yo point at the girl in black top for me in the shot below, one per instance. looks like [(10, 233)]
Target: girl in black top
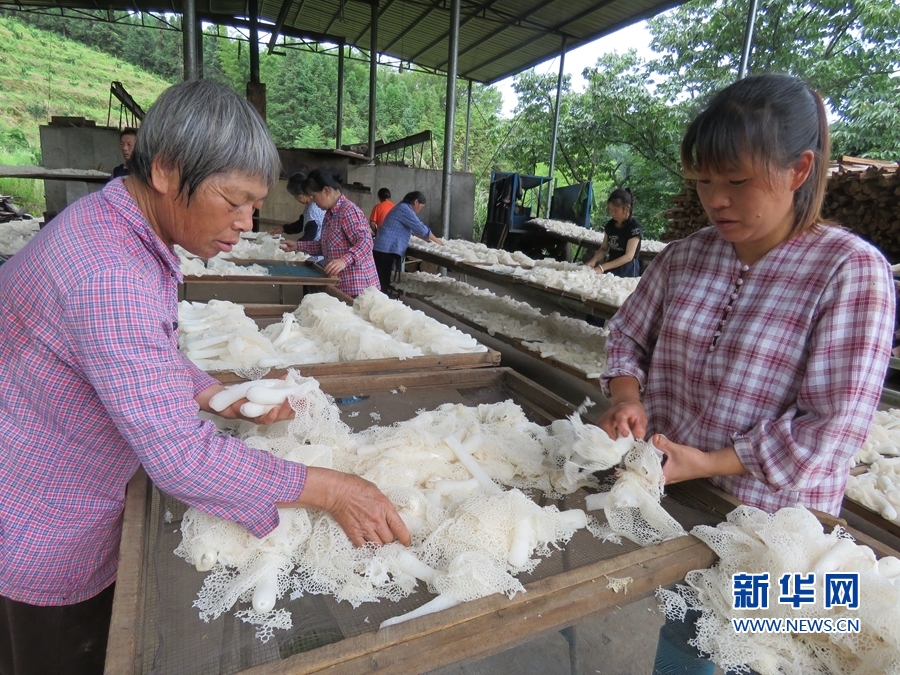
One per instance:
[(622, 242)]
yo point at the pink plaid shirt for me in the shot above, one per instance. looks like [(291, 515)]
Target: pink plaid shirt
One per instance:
[(346, 235), (92, 385), (793, 378)]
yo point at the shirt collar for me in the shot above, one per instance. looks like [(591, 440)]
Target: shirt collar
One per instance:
[(121, 201)]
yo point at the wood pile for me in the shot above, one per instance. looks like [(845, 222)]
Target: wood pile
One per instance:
[(862, 195), (686, 216)]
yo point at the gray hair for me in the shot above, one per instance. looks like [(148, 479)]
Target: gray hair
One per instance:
[(204, 129)]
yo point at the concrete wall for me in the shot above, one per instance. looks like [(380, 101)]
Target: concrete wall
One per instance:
[(76, 148), (98, 148)]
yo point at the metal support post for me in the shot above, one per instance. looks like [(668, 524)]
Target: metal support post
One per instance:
[(468, 126), (189, 35), (339, 122), (450, 118), (748, 40), (373, 76), (555, 135)]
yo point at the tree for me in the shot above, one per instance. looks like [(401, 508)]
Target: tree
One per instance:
[(849, 52)]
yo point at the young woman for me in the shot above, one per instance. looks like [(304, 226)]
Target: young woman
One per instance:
[(622, 242), (346, 241), (754, 351)]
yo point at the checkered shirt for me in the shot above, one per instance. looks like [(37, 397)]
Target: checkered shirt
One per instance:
[(794, 377), (346, 235), (92, 385)]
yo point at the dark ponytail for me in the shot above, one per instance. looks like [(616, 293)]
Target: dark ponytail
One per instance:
[(319, 179), (622, 197)]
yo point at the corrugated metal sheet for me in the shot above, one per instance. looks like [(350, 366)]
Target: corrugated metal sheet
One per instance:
[(497, 38)]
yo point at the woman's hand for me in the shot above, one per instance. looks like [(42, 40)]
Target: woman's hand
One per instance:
[(276, 230), (276, 414), (684, 462), (623, 418), (358, 506), (335, 267), (288, 245)]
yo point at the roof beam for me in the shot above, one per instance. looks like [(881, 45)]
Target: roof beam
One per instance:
[(519, 19), (340, 11), (481, 8), (419, 19), (552, 29), (380, 14), (279, 22)]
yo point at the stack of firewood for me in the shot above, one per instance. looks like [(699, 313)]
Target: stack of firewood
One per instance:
[(686, 216), (866, 199), (862, 195)]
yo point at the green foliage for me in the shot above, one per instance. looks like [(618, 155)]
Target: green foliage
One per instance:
[(44, 74)]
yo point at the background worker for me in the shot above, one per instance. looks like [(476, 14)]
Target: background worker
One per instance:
[(309, 224), (94, 386), (380, 210), (622, 240), (346, 241), (126, 147), (393, 236)]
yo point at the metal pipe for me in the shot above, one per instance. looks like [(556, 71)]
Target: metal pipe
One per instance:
[(468, 127), (199, 49), (373, 76), (559, 81), (450, 118), (189, 36), (253, 11), (748, 40), (339, 126)]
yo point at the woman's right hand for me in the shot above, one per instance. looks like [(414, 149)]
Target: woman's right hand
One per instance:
[(358, 506), (625, 417), (288, 245), (276, 230)]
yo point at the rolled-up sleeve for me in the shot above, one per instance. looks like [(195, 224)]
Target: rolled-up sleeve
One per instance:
[(147, 388)]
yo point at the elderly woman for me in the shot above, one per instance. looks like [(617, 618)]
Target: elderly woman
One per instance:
[(94, 385)]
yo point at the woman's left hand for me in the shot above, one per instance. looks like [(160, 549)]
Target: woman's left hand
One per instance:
[(288, 245), (335, 267), (276, 414), (682, 462)]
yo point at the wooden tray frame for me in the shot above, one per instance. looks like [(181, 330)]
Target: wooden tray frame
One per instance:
[(511, 341), (461, 634), (464, 633)]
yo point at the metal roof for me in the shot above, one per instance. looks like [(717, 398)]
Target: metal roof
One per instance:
[(497, 38)]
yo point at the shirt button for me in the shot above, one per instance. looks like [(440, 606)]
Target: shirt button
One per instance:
[(745, 268), (734, 296), (712, 348), (727, 309), (740, 282), (717, 333)]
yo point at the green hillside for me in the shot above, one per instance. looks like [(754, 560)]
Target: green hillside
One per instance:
[(44, 74)]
